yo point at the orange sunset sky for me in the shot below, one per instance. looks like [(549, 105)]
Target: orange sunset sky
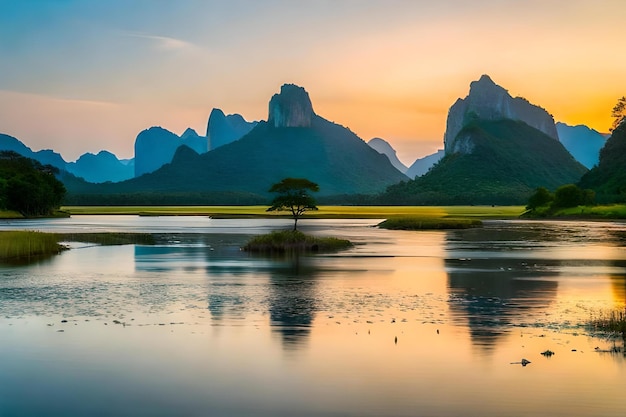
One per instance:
[(82, 76)]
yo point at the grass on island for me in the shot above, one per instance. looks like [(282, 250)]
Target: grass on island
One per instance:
[(27, 244), (289, 241), (325, 212), (421, 223)]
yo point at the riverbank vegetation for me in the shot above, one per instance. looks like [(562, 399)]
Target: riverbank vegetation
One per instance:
[(294, 241), (571, 201)]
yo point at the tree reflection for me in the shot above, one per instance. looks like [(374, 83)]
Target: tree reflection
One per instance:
[(292, 300)]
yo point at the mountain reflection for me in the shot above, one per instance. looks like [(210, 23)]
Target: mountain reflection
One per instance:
[(489, 292)]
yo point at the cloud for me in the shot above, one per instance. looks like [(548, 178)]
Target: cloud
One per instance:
[(164, 42)]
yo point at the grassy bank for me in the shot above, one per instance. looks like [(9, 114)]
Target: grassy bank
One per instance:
[(422, 223), (294, 242), (27, 244), (346, 212)]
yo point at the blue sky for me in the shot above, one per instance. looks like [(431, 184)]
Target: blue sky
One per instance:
[(81, 76)]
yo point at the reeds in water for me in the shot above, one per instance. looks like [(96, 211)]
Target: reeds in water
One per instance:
[(25, 244), (613, 321)]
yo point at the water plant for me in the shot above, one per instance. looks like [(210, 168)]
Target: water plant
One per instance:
[(611, 321)]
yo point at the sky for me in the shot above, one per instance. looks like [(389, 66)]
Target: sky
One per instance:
[(82, 76)]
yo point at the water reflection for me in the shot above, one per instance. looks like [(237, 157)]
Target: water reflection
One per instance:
[(292, 301), (492, 285), (490, 300), (618, 284), (212, 330)]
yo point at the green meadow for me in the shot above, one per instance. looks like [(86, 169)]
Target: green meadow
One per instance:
[(346, 212)]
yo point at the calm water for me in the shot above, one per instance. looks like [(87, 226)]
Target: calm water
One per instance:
[(403, 324)]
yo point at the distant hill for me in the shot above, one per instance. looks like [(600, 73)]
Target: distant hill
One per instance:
[(46, 157), (422, 165), (101, 167), (222, 129), (155, 147), (382, 146), (497, 151), (608, 178), (582, 142), (294, 142)]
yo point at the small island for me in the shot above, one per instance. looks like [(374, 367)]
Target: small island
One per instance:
[(294, 241), (293, 196), (423, 223)]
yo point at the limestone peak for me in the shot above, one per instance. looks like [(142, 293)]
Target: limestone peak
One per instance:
[(291, 107)]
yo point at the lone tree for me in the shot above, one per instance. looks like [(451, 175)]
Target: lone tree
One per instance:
[(293, 195)]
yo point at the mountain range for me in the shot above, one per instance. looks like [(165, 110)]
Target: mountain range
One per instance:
[(497, 149), (294, 142)]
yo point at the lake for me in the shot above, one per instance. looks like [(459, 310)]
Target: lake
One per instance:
[(403, 324)]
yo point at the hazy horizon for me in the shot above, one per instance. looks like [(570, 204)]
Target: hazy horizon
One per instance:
[(83, 76)]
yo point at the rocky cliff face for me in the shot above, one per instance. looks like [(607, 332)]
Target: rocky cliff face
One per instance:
[(222, 129), (488, 101), (291, 107)]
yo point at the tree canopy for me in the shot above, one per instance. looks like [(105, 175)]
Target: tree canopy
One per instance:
[(293, 196), (619, 112), (27, 186)]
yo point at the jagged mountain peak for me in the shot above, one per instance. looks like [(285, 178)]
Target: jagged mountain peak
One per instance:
[(189, 132), (291, 107), (489, 101)]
